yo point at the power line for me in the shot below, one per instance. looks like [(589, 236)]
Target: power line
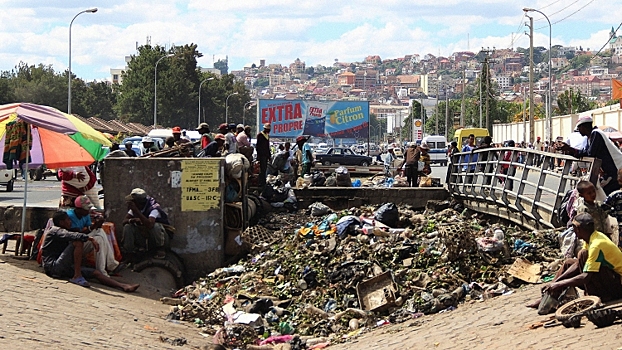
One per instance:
[(556, 12), (572, 14), (553, 3), (611, 37)]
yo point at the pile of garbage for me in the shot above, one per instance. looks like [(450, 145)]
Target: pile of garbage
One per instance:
[(322, 277)]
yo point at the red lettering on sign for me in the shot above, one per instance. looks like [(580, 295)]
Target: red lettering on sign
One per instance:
[(297, 111), (288, 112)]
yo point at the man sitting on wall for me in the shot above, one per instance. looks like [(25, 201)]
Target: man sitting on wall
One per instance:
[(81, 222), (62, 253), (145, 226)]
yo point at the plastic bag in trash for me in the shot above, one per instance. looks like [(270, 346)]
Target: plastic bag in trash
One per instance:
[(388, 214), (341, 170), (319, 209)]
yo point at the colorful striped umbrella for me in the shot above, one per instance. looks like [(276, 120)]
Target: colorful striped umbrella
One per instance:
[(58, 139)]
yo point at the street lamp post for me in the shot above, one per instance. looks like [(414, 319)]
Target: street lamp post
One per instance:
[(249, 104), (201, 84), (227, 107), (91, 10), (155, 91), (549, 109)]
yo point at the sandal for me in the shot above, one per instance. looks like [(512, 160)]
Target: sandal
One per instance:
[(160, 254), (80, 281)]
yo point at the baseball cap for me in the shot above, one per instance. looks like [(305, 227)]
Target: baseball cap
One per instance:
[(240, 126), (203, 126), (584, 120), (301, 138), (177, 130), (83, 202), (267, 126), (583, 219), (137, 193), (222, 126), (147, 139), (424, 145)]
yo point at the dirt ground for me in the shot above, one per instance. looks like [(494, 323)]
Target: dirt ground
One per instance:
[(40, 312)]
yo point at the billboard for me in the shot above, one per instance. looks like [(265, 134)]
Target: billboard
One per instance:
[(337, 119)]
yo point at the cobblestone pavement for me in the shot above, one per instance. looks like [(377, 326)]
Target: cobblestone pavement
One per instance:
[(38, 311)]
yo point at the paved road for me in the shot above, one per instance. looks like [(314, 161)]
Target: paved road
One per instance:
[(44, 193), (41, 312)]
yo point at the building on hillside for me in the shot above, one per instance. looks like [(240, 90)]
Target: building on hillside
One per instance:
[(365, 79), (584, 83), (429, 84), (504, 81), (559, 62), (346, 78), (297, 67)]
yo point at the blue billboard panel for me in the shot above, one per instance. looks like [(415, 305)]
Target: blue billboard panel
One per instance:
[(293, 118)]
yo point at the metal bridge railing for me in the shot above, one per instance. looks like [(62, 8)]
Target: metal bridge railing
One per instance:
[(522, 185)]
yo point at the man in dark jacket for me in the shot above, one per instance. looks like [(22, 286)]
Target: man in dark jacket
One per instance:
[(263, 153), (598, 146), (412, 157), (62, 252)]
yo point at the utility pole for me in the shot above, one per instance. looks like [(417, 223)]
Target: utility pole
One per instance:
[(531, 107), (480, 100), (438, 89), (485, 74), (446, 116), (462, 106)]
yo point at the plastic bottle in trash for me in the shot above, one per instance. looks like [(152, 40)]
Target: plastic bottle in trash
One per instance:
[(499, 235), (234, 269)]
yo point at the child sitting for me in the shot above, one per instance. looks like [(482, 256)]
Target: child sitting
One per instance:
[(615, 202), (587, 203)]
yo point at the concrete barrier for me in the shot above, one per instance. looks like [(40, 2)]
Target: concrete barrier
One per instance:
[(199, 236), (36, 218), (339, 198)]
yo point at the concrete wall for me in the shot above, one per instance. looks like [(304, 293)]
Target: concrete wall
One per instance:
[(561, 125), (36, 218), (199, 239), (343, 198)]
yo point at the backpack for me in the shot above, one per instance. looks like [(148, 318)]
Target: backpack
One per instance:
[(563, 216)]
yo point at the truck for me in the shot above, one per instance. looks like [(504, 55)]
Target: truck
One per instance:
[(343, 156)]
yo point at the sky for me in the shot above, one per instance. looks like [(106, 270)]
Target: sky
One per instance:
[(279, 31)]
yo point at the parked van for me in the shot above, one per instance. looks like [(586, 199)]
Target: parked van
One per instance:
[(438, 149), (462, 135)]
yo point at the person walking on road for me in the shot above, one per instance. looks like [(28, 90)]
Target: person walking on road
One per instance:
[(263, 153), (411, 165)]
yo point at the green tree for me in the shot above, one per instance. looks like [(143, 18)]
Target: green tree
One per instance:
[(98, 100), (261, 82), (223, 66), (6, 90), (414, 114), (39, 84), (572, 101), (178, 84)]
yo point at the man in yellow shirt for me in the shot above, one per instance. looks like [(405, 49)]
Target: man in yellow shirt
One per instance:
[(597, 268)]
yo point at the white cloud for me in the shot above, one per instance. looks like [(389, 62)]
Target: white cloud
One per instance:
[(282, 30)]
